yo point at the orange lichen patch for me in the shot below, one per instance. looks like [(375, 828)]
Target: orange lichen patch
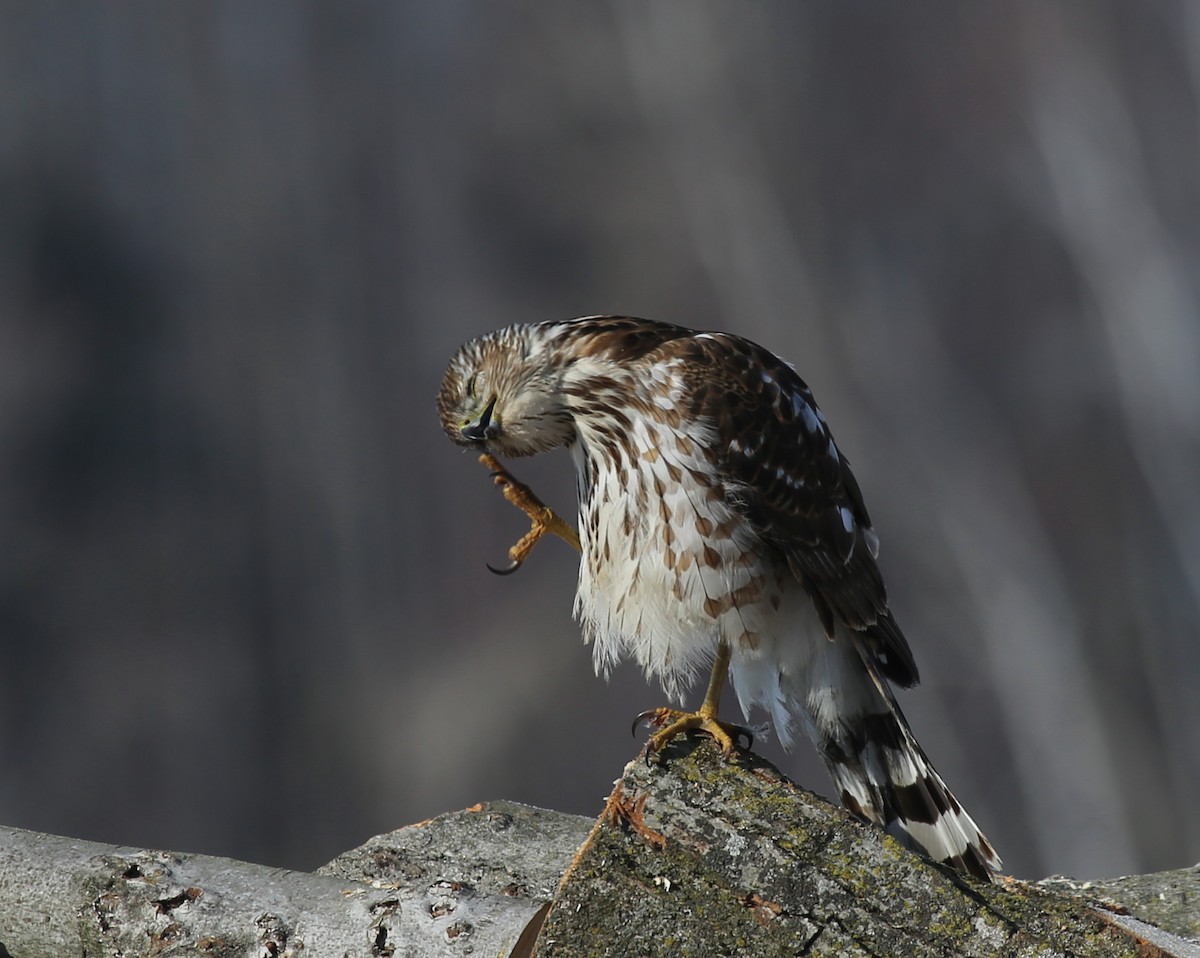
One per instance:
[(477, 807), (764, 911), (622, 812)]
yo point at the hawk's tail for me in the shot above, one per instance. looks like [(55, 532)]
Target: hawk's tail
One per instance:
[(881, 773), (883, 776)]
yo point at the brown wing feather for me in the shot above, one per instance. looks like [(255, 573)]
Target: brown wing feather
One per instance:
[(782, 467)]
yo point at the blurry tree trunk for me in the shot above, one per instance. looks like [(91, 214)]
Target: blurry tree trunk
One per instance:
[(691, 856)]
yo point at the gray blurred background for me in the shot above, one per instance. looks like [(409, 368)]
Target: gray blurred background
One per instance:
[(243, 602)]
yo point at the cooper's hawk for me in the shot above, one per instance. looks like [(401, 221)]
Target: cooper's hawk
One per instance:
[(719, 519)]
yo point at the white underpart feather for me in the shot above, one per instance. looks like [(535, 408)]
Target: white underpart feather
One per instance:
[(645, 588)]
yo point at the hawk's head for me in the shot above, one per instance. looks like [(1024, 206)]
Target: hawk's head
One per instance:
[(503, 391)]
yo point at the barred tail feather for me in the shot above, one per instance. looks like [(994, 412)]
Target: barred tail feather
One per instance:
[(838, 697), (883, 776)]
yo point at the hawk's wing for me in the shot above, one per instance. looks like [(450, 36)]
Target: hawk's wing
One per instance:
[(780, 465)]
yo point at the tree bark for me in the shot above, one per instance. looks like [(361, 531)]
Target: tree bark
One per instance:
[(466, 882), (705, 857), (692, 855)]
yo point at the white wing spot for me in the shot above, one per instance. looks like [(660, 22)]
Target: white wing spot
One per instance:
[(811, 421)]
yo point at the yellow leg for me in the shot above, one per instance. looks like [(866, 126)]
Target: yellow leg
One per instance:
[(543, 518), (673, 722)]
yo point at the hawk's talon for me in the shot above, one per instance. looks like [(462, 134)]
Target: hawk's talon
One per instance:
[(673, 722), (542, 518)]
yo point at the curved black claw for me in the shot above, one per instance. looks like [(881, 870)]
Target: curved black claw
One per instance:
[(640, 718), (509, 571)]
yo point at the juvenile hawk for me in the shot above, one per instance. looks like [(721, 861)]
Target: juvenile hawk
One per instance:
[(719, 519)]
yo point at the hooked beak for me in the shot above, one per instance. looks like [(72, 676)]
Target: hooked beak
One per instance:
[(482, 429)]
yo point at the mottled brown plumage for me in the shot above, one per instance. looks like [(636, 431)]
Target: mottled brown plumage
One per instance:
[(716, 511)]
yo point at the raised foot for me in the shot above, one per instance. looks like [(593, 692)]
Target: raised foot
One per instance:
[(542, 518), (672, 723)]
